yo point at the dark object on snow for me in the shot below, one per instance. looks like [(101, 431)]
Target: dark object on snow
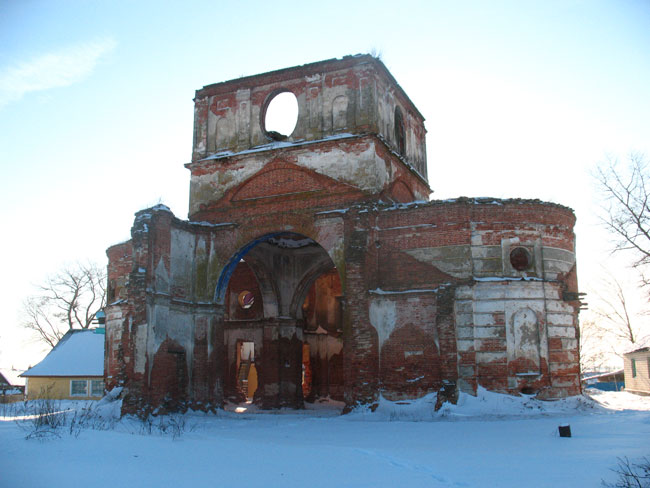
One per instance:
[(565, 430), (448, 393)]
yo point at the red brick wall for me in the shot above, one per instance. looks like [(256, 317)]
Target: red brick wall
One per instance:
[(414, 259), (120, 265), (241, 280), (421, 350)]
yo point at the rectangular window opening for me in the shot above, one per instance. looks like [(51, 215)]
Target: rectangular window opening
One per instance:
[(97, 388), (78, 388)]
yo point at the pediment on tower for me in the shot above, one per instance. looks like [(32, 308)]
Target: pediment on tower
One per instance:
[(281, 179)]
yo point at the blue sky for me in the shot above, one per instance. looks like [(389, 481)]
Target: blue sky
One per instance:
[(521, 100)]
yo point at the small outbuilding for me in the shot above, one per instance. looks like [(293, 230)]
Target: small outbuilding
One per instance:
[(608, 381), (637, 371), (11, 386), (73, 370)]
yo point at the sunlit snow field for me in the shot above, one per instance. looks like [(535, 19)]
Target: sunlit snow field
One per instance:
[(486, 441)]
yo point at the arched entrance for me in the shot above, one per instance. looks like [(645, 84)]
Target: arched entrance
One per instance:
[(281, 295)]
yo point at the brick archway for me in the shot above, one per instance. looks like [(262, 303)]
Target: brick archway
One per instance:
[(295, 333), (269, 256)]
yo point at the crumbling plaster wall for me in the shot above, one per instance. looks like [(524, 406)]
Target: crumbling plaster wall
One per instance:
[(388, 100), (356, 95), (496, 353), (429, 294), (443, 273), (354, 162), (179, 266), (169, 317), (361, 163)]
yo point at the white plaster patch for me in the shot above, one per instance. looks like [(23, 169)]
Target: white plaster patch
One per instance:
[(464, 293), (166, 323), (489, 357), (324, 345), (525, 291), (526, 335), (383, 317), (464, 319), (488, 332), (484, 320), (486, 252), (560, 319), (182, 256), (158, 320), (465, 332), (453, 260), (557, 261), (489, 291), (489, 306), (408, 354), (568, 332), (162, 278), (212, 186), (225, 131), (339, 112), (181, 330), (140, 348), (363, 170)]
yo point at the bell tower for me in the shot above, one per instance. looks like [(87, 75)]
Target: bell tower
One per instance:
[(357, 135)]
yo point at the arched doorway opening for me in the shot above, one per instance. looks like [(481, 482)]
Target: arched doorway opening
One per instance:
[(323, 341), (283, 343)]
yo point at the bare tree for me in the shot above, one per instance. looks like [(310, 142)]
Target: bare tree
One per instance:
[(626, 205), (70, 299), (631, 474), (613, 312), (616, 322), (594, 354)]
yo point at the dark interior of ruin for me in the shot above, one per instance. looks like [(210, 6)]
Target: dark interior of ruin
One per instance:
[(287, 278)]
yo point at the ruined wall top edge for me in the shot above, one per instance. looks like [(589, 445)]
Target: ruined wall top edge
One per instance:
[(352, 95), (312, 69)]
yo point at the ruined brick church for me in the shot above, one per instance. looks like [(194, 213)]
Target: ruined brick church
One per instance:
[(313, 264)]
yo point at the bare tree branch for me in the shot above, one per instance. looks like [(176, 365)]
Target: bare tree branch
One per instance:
[(625, 208), (631, 474), (67, 300), (616, 324), (593, 356)]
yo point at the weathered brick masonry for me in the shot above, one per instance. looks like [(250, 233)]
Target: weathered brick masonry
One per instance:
[(313, 264)]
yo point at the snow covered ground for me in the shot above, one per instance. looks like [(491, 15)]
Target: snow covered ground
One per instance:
[(486, 441)]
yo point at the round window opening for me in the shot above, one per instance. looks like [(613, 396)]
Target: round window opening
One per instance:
[(520, 258), (246, 299), (281, 116)]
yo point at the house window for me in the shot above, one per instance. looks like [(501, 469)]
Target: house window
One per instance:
[(78, 388), (96, 388), (633, 368)]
